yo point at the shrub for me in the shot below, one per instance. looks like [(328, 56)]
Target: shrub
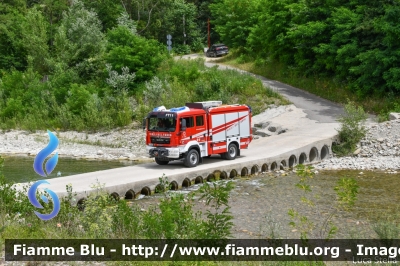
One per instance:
[(352, 129)]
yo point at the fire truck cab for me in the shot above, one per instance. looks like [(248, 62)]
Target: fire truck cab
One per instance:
[(197, 130)]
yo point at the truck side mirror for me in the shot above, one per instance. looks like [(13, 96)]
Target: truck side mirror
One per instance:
[(144, 123), (183, 125)]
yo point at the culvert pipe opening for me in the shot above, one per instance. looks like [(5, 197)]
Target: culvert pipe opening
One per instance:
[(274, 166), (244, 172), (217, 174), (198, 180), (186, 182), (302, 158), (223, 175), (254, 169), (324, 152), (211, 178), (130, 194), (313, 154), (292, 161), (264, 168), (81, 204), (233, 174), (174, 185), (145, 191), (159, 188), (114, 196), (282, 165)]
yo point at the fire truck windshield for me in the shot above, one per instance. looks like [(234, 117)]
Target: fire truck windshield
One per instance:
[(156, 123)]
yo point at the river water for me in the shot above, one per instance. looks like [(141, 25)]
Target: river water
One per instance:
[(20, 169), (378, 193)]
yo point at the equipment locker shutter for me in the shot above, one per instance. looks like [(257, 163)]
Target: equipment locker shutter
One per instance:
[(244, 124)]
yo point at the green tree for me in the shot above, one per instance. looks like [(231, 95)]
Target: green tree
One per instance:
[(140, 55), (35, 39), (267, 36), (79, 42), (234, 20), (108, 11), (12, 49), (53, 12)]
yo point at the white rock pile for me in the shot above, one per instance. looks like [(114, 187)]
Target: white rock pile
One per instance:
[(379, 149), (118, 144)]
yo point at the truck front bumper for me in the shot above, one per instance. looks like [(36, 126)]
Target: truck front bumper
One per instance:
[(164, 153)]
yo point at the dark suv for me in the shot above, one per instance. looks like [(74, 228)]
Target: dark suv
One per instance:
[(217, 50)]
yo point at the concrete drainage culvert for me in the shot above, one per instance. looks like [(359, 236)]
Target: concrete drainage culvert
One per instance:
[(292, 161), (186, 182), (282, 165), (173, 185), (211, 177), (254, 169), (302, 158), (324, 152), (313, 155), (198, 180), (233, 173), (146, 191), (114, 196), (264, 168), (130, 194), (244, 172), (274, 166)]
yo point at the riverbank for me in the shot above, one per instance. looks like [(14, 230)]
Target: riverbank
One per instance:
[(126, 143), (379, 149)]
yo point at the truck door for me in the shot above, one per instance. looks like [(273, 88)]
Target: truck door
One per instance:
[(188, 135)]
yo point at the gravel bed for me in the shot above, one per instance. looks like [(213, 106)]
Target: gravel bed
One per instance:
[(379, 149)]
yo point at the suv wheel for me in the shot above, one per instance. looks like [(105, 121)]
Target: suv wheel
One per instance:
[(161, 162), (232, 152), (192, 158)]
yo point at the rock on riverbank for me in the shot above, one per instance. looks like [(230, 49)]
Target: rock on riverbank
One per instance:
[(380, 149)]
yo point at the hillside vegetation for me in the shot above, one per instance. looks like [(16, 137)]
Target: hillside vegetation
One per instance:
[(348, 48), (85, 65)]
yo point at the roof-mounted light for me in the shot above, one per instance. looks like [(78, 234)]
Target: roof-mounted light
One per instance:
[(160, 108)]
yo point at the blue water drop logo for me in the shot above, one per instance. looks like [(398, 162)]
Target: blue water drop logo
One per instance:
[(42, 155), (36, 203), (38, 167)]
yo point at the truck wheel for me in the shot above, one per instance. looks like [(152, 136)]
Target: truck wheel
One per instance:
[(192, 158), (232, 152), (161, 162)]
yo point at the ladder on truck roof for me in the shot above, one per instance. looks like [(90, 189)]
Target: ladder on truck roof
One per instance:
[(204, 105)]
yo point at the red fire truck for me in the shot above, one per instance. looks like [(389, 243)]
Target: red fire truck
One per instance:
[(197, 130)]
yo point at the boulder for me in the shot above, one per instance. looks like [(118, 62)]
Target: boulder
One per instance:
[(394, 116), (263, 133), (274, 128), (262, 125)]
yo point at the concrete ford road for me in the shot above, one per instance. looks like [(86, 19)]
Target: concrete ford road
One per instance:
[(305, 141)]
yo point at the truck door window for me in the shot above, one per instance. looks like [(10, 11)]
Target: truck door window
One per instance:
[(189, 122), (199, 120)]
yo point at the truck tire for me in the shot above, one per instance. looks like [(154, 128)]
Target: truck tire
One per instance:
[(192, 158), (232, 152), (161, 162)]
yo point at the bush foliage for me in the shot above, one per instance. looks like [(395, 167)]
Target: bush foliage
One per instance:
[(106, 217)]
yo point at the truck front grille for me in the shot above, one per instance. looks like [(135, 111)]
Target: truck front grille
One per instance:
[(160, 140)]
